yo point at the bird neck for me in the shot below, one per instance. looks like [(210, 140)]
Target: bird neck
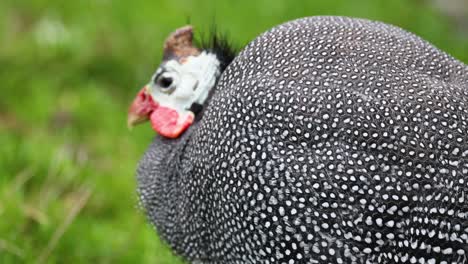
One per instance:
[(164, 193)]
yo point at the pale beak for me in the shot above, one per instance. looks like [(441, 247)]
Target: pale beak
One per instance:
[(134, 119), (141, 108)]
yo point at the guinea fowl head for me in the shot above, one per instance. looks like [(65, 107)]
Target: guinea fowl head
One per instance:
[(180, 87)]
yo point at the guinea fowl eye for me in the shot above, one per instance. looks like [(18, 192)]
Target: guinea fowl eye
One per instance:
[(164, 82)]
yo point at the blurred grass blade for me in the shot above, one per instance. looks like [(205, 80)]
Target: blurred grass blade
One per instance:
[(75, 210)]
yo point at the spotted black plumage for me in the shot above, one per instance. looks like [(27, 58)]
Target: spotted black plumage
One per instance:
[(327, 140)]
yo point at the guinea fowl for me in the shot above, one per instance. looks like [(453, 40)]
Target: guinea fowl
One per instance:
[(325, 140)]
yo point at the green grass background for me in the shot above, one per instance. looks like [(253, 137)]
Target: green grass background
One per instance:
[(68, 70)]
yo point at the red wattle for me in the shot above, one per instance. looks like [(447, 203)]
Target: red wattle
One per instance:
[(168, 123)]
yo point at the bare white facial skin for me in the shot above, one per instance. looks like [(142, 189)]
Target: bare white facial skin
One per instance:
[(178, 85)]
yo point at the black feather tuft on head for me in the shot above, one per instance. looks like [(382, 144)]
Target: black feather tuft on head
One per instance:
[(219, 44)]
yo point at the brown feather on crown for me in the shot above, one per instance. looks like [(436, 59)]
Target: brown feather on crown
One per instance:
[(179, 44)]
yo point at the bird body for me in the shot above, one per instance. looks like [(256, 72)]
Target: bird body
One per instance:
[(326, 140)]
